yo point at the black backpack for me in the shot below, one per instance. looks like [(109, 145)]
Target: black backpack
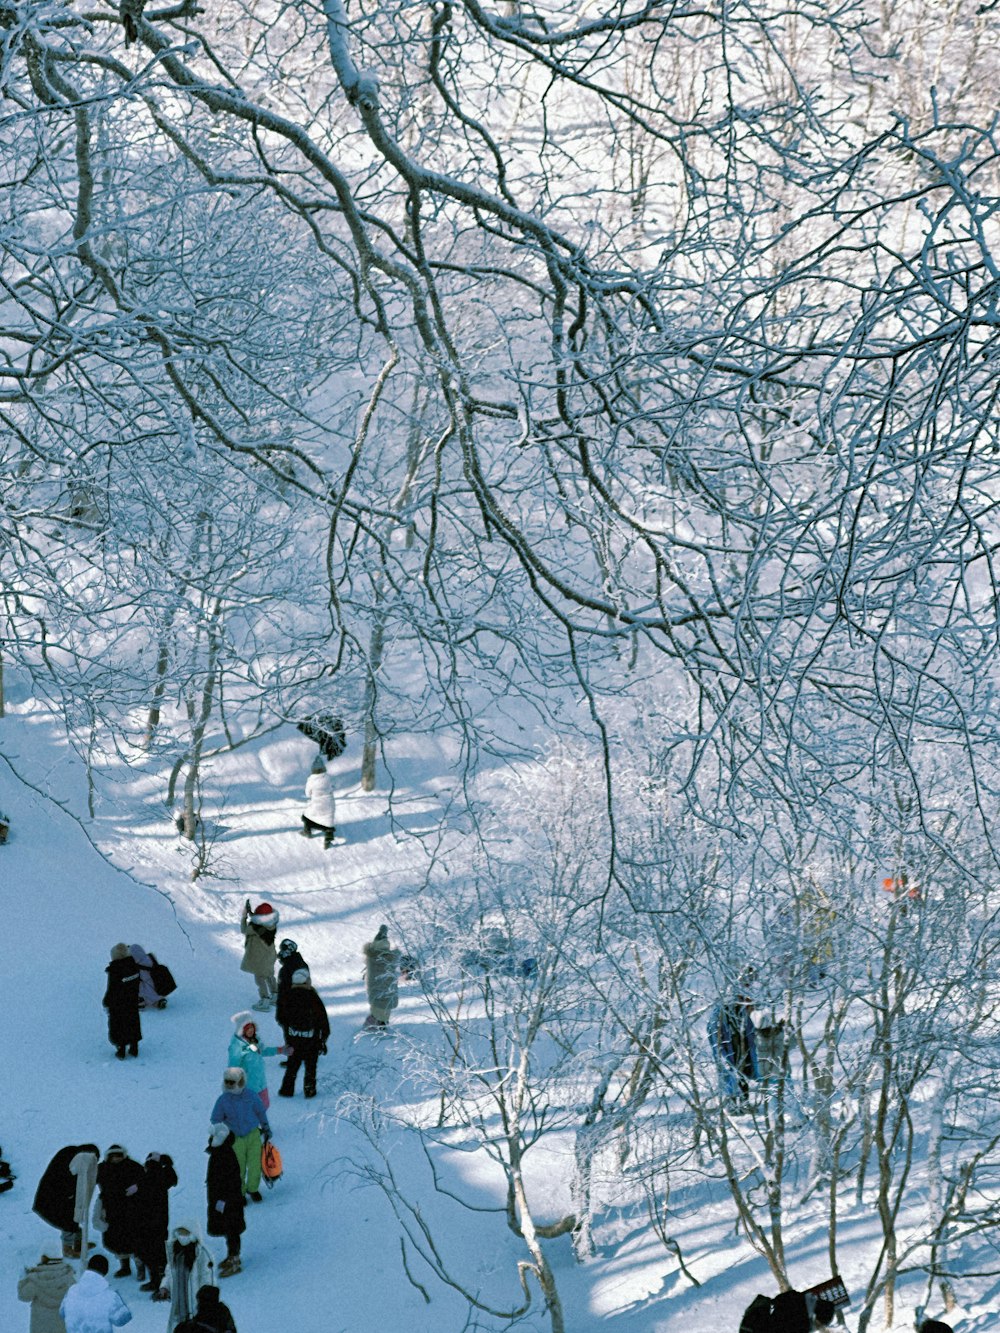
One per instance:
[(757, 1316), (162, 978)]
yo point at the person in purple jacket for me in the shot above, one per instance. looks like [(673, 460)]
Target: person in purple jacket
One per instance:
[(244, 1113)]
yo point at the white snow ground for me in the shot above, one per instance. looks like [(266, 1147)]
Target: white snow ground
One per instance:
[(321, 1253)]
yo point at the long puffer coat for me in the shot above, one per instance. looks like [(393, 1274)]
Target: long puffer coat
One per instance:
[(121, 999), (120, 1181), (224, 1184), (44, 1285), (321, 807), (381, 963), (154, 1212)]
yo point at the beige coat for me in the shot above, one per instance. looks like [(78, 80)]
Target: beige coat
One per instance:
[(258, 957), (380, 979), (44, 1285)]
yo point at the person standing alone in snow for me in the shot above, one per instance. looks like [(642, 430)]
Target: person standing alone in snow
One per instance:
[(320, 814), (91, 1306), (381, 963), (243, 1112), (247, 1053), (308, 1031), (121, 1000), (259, 954)]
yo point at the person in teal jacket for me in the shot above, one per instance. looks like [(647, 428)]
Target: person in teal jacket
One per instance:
[(247, 1053), (243, 1111)]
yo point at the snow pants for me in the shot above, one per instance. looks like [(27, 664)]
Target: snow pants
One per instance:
[(247, 1150)]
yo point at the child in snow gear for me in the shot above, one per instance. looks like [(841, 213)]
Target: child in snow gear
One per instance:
[(190, 1269), (64, 1192), (380, 979), (155, 981), (119, 1180), (224, 1186), (247, 1053), (211, 1316), (90, 1306), (733, 1041), (259, 955), (320, 814), (45, 1284), (153, 1219), (308, 1029), (121, 1000), (243, 1112)]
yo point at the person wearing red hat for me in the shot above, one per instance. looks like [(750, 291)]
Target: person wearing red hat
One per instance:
[(259, 926)]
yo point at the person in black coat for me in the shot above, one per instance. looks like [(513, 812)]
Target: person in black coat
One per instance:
[(121, 1000), (57, 1193), (307, 1029), (159, 1177), (224, 1186), (290, 961), (211, 1316), (119, 1180)]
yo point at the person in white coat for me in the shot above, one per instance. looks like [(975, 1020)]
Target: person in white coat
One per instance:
[(191, 1267), (320, 811), (91, 1306)]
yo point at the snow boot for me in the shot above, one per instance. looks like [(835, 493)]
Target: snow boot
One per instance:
[(161, 1294), (124, 1268), (230, 1267), (262, 1005), (140, 1273), (256, 1196), (71, 1248), (133, 1049), (119, 1052)]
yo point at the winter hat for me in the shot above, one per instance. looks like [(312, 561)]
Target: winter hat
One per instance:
[(244, 1019), (218, 1135), (234, 1077), (265, 915), (382, 933), (286, 948), (300, 977), (118, 952), (116, 1150)]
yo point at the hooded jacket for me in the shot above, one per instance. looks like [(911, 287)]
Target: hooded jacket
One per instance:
[(249, 1056), (92, 1307), (45, 1284), (190, 1267), (242, 1111), (380, 978)]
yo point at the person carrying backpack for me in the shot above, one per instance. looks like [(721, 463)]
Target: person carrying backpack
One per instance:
[(788, 1312)]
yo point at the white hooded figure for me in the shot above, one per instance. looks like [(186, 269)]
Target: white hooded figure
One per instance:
[(189, 1266), (320, 812)]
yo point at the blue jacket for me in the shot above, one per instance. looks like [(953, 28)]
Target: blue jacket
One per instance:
[(249, 1056), (242, 1111)]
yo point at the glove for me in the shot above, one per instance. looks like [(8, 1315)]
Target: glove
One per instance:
[(286, 1050), (266, 1135), (132, 1189), (220, 1207)]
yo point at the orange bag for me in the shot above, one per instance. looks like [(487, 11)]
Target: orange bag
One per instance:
[(270, 1164)]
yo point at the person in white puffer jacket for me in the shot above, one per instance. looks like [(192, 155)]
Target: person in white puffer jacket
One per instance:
[(92, 1306), (320, 812)]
